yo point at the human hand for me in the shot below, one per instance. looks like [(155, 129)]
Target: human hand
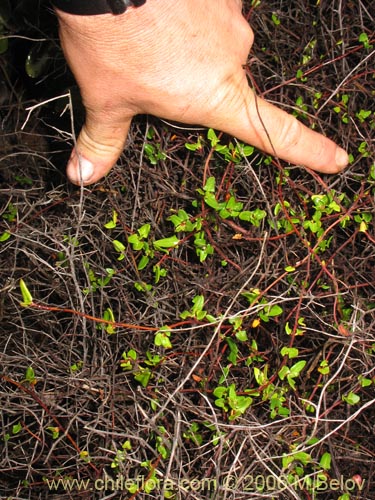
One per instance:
[(180, 60)]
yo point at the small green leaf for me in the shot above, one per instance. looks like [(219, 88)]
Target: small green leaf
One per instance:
[(118, 246), (241, 335), (136, 242), (112, 223), (26, 295), (30, 376), (166, 243), (16, 428), (365, 382), (351, 398), (300, 456), (220, 391), (275, 19), (324, 368), (108, 316), (54, 431), (5, 236), (291, 352), (284, 371), (290, 269), (38, 59), (274, 310), (345, 496), (212, 137), (209, 187), (143, 376), (143, 262), (325, 461), (193, 147), (297, 368), (3, 45), (212, 202), (260, 376), (144, 231), (159, 272), (162, 338), (198, 302)]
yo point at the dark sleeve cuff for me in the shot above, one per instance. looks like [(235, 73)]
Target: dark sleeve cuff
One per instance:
[(95, 7)]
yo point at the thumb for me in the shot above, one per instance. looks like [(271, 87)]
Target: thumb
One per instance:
[(259, 123), (98, 147)]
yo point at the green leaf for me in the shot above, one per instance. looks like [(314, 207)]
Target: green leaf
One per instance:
[(112, 223), (162, 338), (212, 137), (291, 352), (365, 382), (209, 187), (118, 246), (300, 456), (143, 376), (5, 236), (16, 428), (141, 286), (212, 202), (290, 269), (159, 272), (38, 59), (198, 302), (136, 242), (345, 496), (324, 368), (246, 150), (351, 398), (275, 19), (108, 316), (144, 231), (3, 44), (54, 431), (30, 374), (193, 147), (26, 295), (241, 335), (233, 351), (297, 368), (283, 372), (254, 217), (274, 310), (233, 204), (224, 213), (260, 376), (166, 243), (247, 216), (220, 391), (143, 262), (325, 461), (252, 295)]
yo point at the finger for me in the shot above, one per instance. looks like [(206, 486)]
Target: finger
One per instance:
[(99, 145), (257, 122)]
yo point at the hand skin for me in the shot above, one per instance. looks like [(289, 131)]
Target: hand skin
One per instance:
[(180, 60)]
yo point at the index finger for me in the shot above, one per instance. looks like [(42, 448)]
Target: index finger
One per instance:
[(257, 122)]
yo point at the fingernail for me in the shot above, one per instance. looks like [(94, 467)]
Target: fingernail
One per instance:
[(342, 158), (80, 169)]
